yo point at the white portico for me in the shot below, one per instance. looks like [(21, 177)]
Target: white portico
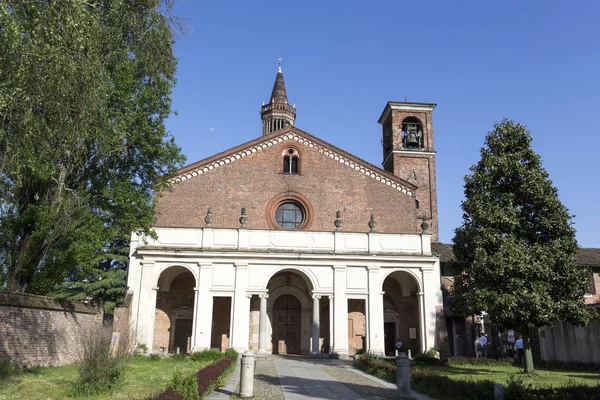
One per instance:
[(276, 291)]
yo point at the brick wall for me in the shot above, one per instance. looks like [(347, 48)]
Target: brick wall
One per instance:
[(42, 331), (356, 325), (595, 286), (253, 181), (221, 319)]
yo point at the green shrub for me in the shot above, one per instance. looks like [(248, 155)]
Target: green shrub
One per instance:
[(101, 368), (381, 367), (230, 352), (8, 369), (207, 355), (568, 366), (186, 386), (143, 347), (426, 359), (444, 388), (517, 390)]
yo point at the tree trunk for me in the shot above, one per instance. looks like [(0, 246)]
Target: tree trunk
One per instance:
[(16, 283), (528, 355)]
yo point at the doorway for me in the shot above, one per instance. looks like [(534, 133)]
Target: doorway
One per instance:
[(286, 327), (183, 334), (389, 331)]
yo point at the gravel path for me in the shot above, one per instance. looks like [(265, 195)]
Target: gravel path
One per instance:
[(266, 381), (365, 387)]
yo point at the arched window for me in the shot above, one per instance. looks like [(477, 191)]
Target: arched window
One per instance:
[(412, 133), (291, 161)]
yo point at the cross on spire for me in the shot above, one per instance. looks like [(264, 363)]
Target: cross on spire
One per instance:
[(279, 61)]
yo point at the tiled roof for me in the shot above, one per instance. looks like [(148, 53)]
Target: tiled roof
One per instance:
[(589, 257), (444, 250), (279, 95)]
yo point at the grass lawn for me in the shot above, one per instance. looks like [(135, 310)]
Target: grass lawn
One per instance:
[(543, 378), (144, 377)]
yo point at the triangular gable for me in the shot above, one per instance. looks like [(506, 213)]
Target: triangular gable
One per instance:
[(304, 139)]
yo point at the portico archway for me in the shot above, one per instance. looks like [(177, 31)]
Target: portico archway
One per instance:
[(401, 313), (174, 314), (296, 319)]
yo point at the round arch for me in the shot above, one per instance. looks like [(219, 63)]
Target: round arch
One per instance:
[(168, 279), (294, 291), (305, 273), (388, 272)]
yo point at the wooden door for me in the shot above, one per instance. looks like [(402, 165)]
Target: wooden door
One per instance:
[(183, 332), (286, 328)]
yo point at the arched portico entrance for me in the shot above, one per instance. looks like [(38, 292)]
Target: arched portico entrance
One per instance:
[(296, 320), (174, 314), (401, 312)]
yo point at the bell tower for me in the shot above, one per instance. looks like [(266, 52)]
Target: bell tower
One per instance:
[(409, 154), (277, 114)]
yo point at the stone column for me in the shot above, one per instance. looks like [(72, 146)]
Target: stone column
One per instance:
[(241, 309), (331, 330), (203, 313), (150, 339), (375, 313), (262, 331), (316, 328), (340, 312), (195, 318), (421, 297), (145, 307)]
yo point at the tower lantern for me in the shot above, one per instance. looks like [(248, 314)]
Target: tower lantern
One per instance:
[(277, 114)]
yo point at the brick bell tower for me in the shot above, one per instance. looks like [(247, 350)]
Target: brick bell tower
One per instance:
[(277, 114), (409, 154)]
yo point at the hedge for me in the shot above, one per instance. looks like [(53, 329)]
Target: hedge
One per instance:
[(201, 383), (444, 388)]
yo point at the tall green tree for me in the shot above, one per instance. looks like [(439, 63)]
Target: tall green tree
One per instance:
[(84, 92), (104, 284), (516, 248)]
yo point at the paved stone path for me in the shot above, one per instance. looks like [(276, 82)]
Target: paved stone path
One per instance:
[(300, 378)]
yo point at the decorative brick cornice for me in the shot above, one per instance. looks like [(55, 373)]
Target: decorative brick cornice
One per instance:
[(291, 135)]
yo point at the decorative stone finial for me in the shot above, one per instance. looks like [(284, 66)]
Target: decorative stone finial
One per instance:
[(372, 223), (425, 225), (209, 218), (243, 218), (338, 220), (279, 61)]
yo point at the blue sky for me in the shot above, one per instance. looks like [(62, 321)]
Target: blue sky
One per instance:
[(536, 62)]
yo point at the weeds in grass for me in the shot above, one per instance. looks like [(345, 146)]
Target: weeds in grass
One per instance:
[(102, 366), (8, 369)]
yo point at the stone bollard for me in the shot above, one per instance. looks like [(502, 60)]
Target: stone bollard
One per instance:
[(498, 391), (247, 375), (403, 376)]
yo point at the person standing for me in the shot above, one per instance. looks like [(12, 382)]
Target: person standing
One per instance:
[(484, 341), (519, 348)]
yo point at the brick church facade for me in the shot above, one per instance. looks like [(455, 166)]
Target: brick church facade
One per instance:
[(287, 244)]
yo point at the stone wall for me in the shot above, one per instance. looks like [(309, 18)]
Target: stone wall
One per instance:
[(41, 331)]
